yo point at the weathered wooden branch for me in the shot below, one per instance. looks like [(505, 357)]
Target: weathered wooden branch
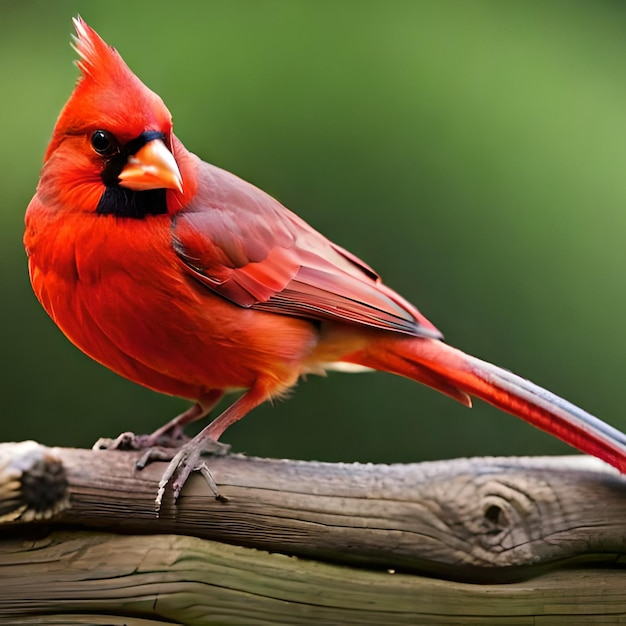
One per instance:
[(377, 544)]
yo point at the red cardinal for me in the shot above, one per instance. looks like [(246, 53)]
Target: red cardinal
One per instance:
[(186, 279)]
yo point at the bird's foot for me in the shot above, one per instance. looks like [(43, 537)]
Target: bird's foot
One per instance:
[(183, 453), (183, 462), (174, 437)]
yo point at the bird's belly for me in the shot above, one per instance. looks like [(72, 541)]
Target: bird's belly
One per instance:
[(175, 337), (119, 293)]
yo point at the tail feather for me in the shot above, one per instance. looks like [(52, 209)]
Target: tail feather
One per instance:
[(459, 375)]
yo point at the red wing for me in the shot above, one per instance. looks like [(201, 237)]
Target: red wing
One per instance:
[(247, 247)]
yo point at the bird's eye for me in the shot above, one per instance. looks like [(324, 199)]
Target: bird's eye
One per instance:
[(104, 143)]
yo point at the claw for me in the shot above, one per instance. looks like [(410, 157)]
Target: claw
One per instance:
[(208, 476), (124, 441), (184, 462), (156, 453)]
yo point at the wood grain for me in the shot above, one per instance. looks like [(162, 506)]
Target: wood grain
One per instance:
[(468, 541), (191, 581)]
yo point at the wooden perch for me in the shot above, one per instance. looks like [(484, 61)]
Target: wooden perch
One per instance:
[(478, 541)]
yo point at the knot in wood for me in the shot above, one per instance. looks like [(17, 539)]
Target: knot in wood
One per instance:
[(501, 517)]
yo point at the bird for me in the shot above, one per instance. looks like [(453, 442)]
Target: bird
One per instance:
[(184, 278)]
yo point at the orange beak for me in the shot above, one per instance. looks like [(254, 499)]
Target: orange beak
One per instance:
[(152, 167)]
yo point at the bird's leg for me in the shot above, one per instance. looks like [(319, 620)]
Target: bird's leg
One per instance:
[(187, 458), (170, 435)]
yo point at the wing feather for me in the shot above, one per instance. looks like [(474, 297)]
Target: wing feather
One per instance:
[(244, 245)]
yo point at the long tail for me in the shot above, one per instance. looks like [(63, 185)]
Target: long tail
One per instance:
[(460, 376)]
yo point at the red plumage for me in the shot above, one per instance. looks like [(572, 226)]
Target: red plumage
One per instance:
[(186, 279)]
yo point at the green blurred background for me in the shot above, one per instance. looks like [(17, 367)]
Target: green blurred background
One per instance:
[(472, 152)]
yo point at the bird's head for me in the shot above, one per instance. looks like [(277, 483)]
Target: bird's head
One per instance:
[(112, 148)]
